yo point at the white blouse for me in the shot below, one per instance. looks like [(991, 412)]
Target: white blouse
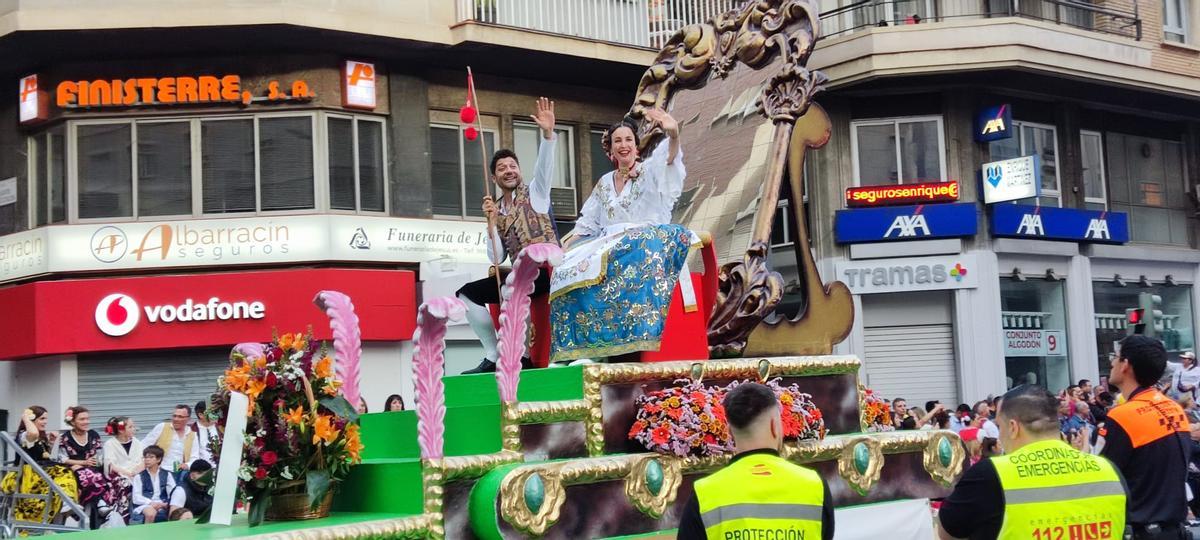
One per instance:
[(115, 455), (648, 199)]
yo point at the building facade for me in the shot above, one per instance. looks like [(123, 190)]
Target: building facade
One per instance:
[(179, 180), (1071, 134)]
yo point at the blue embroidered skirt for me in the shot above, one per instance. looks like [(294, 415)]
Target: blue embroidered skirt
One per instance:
[(625, 308)]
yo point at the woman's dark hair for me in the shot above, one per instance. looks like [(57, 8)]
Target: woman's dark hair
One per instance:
[(387, 405), (38, 411), (116, 425), (75, 411), (990, 447), (606, 140)]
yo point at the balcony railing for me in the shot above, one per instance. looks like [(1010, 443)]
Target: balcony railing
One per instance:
[(638, 23), (1074, 13)]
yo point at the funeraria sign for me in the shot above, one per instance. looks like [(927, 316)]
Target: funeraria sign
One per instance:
[(1051, 223)]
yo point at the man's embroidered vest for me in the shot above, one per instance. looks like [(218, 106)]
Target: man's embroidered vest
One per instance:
[(523, 225)]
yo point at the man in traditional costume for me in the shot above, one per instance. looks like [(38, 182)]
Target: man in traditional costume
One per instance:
[(611, 294), (178, 442), (522, 218)]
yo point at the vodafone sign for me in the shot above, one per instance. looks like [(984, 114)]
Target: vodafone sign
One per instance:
[(117, 314), (197, 310)]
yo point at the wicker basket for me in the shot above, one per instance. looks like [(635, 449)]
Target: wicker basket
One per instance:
[(295, 507)]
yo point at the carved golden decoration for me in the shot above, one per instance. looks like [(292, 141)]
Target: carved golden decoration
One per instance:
[(593, 425), (475, 466), (756, 34), (637, 488), (944, 474), (510, 432), (829, 309), (406, 527), (516, 512), (432, 480), (862, 482), (549, 412)]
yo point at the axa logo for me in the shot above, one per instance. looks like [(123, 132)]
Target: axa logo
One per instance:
[(908, 226), (996, 125), (109, 244), (1098, 229), (1031, 224), (117, 314)]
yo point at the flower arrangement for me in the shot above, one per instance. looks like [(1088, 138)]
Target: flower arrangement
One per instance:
[(689, 419), (876, 412), (302, 437)]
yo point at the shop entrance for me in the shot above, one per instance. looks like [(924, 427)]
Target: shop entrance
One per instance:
[(909, 346), (146, 386)]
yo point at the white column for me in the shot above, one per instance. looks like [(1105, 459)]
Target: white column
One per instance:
[(1081, 321), (979, 341)]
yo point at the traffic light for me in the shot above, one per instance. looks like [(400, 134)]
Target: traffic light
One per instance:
[(1147, 318)]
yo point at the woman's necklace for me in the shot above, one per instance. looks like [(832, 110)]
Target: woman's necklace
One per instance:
[(75, 437)]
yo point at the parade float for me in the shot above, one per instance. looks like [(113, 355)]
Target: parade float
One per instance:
[(612, 449)]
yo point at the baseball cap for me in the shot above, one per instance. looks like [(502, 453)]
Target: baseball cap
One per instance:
[(1187, 354)]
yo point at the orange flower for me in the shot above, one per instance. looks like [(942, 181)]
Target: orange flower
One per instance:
[(332, 389), (286, 341), (295, 416), (255, 388), (323, 430), (237, 378), (354, 443), (260, 362), (323, 369)]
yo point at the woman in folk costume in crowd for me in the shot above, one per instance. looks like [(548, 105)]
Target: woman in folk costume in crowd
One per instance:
[(38, 443), (122, 461), (81, 449), (611, 294)]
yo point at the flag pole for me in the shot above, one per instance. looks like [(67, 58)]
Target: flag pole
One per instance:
[(487, 188)]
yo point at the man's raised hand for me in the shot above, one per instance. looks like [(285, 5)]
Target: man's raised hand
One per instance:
[(544, 117)]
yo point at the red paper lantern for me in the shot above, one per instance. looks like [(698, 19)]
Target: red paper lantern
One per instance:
[(471, 133), (467, 114)]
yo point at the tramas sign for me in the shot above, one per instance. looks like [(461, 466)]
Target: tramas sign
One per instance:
[(931, 192)]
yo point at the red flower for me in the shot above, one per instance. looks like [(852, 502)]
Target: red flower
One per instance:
[(272, 380), (259, 442), (698, 397), (660, 435), (269, 458), (653, 408), (260, 473), (637, 428)]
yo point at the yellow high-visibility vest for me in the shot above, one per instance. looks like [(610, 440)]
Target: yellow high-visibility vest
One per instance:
[(1054, 491), (761, 496)]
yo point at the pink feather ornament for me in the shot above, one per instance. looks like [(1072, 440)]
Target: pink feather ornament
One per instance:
[(514, 314), (347, 341), (428, 367)]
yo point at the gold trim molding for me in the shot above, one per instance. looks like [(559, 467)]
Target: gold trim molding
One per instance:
[(862, 482), (944, 474), (406, 527)]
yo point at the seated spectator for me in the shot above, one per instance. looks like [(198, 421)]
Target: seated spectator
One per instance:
[(394, 403), (154, 494), (206, 431), (196, 499), (176, 440)]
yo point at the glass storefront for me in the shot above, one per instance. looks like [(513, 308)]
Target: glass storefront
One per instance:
[(1111, 302), (1034, 319)]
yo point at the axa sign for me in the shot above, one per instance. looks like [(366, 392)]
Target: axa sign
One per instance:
[(118, 313), (993, 123), (914, 222), (1050, 223)]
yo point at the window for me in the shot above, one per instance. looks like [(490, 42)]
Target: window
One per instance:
[(1092, 150), (601, 164), (1034, 323), (1175, 20), (47, 178), (781, 228), (1146, 179), (1033, 139), (901, 151), (356, 177), (147, 169), (1111, 301), (527, 138), (458, 170)]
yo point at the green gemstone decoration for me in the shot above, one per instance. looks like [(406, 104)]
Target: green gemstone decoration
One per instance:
[(862, 458), (945, 452), (535, 493), (654, 476)]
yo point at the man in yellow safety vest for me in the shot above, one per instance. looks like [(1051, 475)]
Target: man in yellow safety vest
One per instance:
[(1040, 488), (759, 494)]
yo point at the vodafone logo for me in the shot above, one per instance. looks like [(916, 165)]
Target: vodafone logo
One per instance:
[(117, 314)]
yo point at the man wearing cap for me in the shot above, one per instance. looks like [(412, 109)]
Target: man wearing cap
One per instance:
[(1147, 438), (1187, 378), (1041, 488), (759, 494)]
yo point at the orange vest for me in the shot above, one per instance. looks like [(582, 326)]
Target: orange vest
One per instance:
[(1149, 416)]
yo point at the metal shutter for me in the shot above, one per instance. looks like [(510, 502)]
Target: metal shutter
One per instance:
[(146, 386), (913, 362)]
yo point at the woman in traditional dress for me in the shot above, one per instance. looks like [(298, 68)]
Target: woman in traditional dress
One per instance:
[(122, 461), (611, 294), (38, 443), (83, 451)]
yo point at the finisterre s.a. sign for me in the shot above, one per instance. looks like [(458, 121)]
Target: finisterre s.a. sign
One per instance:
[(1052, 223), (915, 222), (909, 274)]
